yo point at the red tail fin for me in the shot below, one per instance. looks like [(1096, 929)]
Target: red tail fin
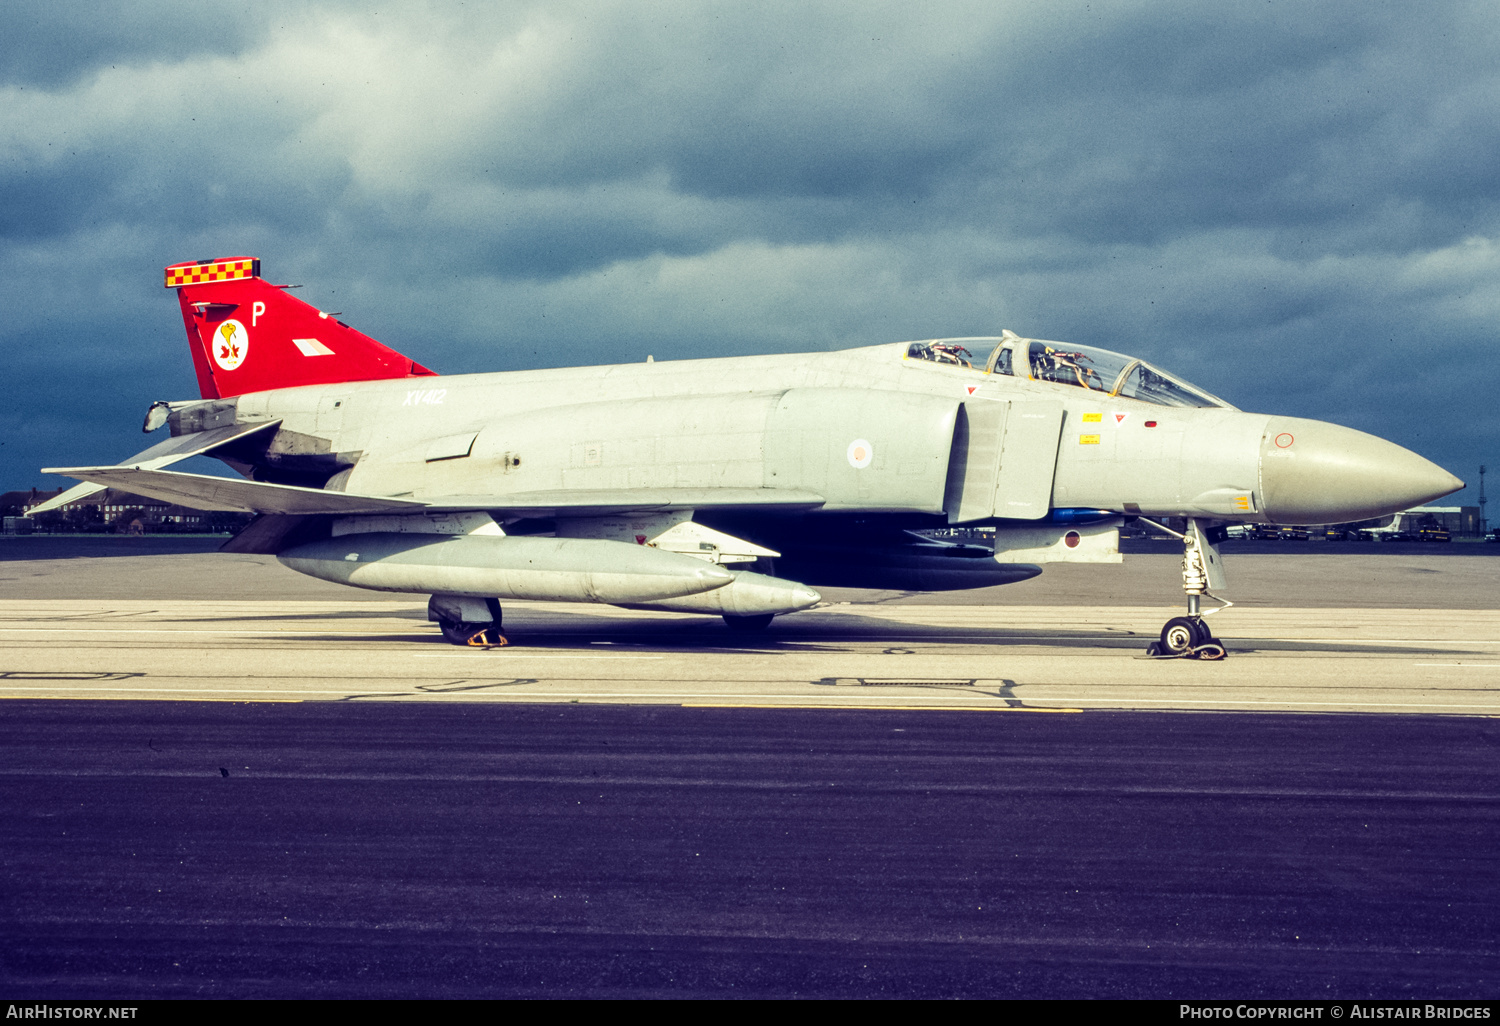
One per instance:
[(248, 335)]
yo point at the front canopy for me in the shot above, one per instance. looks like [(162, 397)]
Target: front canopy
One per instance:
[(1097, 370)]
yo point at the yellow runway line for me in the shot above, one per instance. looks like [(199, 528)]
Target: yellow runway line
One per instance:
[(142, 698), (910, 708)]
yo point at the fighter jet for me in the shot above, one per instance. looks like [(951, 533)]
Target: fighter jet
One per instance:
[(734, 487)]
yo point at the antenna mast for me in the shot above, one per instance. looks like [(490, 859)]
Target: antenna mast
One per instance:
[(1484, 525)]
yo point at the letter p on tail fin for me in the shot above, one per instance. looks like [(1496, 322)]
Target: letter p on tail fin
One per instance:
[(248, 335)]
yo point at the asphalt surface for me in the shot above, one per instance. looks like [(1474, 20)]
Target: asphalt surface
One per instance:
[(985, 658), (392, 817), (319, 850)]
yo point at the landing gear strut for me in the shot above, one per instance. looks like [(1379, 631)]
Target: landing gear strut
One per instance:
[(467, 621), (1189, 636)]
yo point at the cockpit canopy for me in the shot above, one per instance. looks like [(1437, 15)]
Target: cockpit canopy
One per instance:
[(1097, 370)]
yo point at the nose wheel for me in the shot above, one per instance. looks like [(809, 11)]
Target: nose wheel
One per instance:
[(1187, 637), (1183, 633)]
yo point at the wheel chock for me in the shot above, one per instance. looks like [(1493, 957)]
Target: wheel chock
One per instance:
[(1212, 650)]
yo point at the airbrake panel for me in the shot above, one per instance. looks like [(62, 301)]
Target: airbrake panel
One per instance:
[(1003, 459), (975, 464), (1028, 459)]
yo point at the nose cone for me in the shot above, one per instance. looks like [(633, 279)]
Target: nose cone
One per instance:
[(1317, 473)]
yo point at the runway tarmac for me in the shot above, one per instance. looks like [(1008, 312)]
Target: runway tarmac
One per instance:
[(989, 658), (1413, 632), (188, 849), (634, 804)]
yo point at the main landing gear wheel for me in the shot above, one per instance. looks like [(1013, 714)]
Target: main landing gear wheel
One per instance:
[(467, 621), (475, 635), (747, 624)]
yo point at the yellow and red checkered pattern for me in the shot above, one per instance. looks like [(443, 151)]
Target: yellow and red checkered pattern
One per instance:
[(212, 270)]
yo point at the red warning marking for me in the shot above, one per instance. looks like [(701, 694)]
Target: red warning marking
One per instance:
[(1120, 418), (972, 389), (1071, 539), (640, 539)]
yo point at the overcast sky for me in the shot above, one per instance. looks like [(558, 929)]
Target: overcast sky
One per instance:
[(1296, 205)]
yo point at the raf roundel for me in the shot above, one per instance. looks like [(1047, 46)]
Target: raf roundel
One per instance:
[(860, 454), (231, 342)]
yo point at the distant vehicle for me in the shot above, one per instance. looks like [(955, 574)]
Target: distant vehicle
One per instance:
[(1493, 536), (733, 487), (1429, 530), (1267, 532)]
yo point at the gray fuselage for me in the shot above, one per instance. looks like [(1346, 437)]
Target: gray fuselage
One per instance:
[(867, 429)]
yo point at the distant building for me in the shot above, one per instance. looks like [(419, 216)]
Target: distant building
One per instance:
[(18, 504), (112, 510), (15, 505), (1459, 520)]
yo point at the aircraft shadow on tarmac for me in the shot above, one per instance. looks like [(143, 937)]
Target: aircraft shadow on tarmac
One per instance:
[(712, 638), (559, 630), (345, 614)]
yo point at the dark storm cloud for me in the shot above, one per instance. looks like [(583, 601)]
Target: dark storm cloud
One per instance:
[(52, 44), (1294, 203)]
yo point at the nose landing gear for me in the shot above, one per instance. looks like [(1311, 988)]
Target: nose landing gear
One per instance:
[(1189, 637)]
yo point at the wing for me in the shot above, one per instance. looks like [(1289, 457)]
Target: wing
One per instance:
[(200, 491), (162, 454)]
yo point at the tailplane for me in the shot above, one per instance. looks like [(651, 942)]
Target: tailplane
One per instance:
[(248, 335)]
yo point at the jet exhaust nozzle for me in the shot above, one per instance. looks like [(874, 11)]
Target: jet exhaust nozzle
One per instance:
[(493, 566)]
